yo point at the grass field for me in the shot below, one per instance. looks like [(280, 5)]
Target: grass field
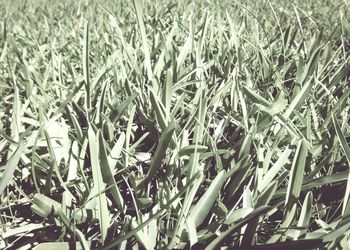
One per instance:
[(174, 124)]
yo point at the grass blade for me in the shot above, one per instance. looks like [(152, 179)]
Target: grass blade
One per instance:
[(296, 174), (346, 149), (10, 168), (160, 153), (99, 185), (147, 61), (107, 175), (203, 206), (222, 237)]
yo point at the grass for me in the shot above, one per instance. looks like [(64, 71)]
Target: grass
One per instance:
[(174, 124)]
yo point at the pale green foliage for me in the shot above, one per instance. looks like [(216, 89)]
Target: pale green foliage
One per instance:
[(171, 124)]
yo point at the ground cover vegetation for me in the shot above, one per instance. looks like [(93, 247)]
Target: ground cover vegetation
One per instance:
[(174, 124)]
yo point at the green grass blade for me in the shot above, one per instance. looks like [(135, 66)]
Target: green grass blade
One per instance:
[(60, 245), (160, 153), (153, 217), (115, 152), (296, 174), (305, 215), (142, 27), (10, 167), (290, 245), (99, 185), (107, 175), (222, 237), (204, 205), (86, 69), (273, 171), (344, 145)]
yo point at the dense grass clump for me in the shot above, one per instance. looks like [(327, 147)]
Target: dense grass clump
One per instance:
[(174, 124)]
